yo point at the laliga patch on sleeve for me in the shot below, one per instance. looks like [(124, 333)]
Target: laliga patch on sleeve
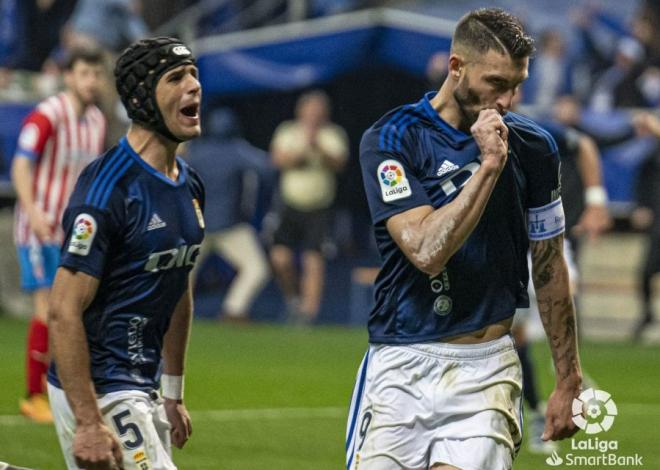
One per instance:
[(84, 231), (546, 222), (393, 182)]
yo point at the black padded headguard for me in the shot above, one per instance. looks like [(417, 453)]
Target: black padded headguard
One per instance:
[(137, 72)]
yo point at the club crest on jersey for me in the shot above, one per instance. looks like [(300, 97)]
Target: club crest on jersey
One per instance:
[(442, 305), (198, 212), (84, 231), (393, 182)]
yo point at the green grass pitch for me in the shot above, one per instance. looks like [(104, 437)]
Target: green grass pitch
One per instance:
[(275, 397)]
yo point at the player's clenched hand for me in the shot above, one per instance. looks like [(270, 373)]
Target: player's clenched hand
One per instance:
[(559, 414), (492, 137), (95, 447), (179, 419)]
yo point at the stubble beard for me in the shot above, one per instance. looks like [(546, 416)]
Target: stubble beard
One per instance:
[(468, 103)]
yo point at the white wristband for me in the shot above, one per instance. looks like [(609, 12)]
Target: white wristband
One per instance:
[(595, 196), (172, 386)]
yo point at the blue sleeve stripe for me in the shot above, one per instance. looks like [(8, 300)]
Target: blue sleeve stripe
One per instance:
[(109, 166), (29, 154), (394, 132), (412, 119), (113, 181), (551, 141), (387, 128)]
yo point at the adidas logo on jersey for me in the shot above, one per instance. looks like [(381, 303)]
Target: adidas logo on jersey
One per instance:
[(155, 222), (446, 167)]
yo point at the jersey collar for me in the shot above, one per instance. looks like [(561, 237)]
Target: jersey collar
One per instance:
[(455, 136), (183, 172)]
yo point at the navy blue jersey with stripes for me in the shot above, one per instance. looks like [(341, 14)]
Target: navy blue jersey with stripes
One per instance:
[(139, 233), (410, 158)]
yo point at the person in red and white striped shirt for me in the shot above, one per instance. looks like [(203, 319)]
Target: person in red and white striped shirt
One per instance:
[(58, 139)]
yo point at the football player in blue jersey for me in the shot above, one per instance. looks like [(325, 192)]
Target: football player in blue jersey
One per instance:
[(121, 307), (458, 189)]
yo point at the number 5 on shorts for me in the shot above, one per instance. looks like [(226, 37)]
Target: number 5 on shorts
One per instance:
[(124, 427)]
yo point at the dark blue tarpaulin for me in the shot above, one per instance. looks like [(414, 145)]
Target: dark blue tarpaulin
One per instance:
[(285, 60)]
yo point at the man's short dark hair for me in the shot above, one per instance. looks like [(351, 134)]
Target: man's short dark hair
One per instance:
[(493, 28), (89, 55)]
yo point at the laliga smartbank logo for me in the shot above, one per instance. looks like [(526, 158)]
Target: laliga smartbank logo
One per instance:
[(594, 412)]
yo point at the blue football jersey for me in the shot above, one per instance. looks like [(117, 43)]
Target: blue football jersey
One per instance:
[(139, 233), (410, 158)]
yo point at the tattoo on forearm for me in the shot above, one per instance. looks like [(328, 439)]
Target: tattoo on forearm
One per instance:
[(544, 253), (556, 304)]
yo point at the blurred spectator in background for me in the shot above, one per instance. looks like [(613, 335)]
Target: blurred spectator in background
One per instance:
[(29, 31), (58, 139), (308, 151), (549, 74), (647, 217), (618, 85), (111, 24), (437, 69), (224, 159)]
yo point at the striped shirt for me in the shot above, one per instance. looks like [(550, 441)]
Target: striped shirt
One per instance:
[(60, 145)]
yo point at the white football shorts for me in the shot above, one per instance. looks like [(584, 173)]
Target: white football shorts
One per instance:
[(138, 420), (418, 405)]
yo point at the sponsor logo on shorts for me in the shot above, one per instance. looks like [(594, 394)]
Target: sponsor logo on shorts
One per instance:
[(141, 460), (393, 182), (84, 231)]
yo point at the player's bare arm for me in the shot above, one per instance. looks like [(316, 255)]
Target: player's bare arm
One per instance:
[(174, 355), (550, 276), (595, 219), (430, 237), (22, 179), (94, 445)]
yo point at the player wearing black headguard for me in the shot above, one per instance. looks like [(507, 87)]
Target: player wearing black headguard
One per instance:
[(121, 305)]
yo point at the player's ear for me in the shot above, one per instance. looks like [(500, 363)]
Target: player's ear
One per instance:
[(456, 64)]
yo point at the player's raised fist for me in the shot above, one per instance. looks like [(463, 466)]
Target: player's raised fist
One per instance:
[(492, 137)]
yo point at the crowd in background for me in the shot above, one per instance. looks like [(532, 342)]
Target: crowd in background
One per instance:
[(610, 63)]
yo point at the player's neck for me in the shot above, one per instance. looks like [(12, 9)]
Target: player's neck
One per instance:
[(158, 151), (445, 105), (78, 106)]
